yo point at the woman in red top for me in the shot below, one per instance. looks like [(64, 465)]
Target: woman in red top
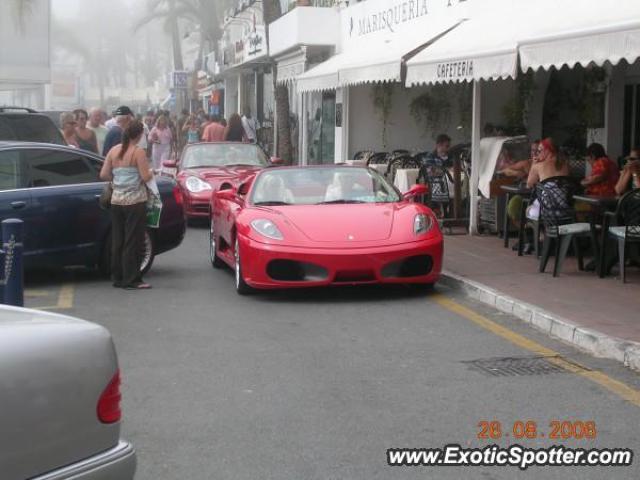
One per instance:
[(604, 173)]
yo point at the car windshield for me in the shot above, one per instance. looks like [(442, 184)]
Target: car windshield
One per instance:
[(223, 154), (321, 186)]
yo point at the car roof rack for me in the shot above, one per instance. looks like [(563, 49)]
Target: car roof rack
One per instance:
[(5, 108)]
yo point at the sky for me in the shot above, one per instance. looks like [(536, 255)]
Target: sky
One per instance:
[(69, 8)]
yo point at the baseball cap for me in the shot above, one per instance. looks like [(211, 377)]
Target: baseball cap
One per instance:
[(123, 110)]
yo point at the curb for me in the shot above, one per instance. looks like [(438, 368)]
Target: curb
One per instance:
[(592, 341)]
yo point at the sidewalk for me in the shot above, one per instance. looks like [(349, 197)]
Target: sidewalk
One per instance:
[(601, 316)]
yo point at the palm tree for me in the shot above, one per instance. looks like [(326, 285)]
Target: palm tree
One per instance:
[(166, 11), (271, 11), (21, 10), (205, 15)]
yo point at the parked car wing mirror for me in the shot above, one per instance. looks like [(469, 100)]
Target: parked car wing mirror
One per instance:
[(228, 194), (169, 164), (416, 191), (277, 161), (244, 188)]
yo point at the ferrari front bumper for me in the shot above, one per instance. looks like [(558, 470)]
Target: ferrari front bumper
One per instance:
[(270, 266)]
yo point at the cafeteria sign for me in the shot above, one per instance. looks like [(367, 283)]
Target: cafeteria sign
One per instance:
[(455, 70)]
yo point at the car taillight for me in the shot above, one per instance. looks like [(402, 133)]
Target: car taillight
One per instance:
[(109, 403), (177, 194)]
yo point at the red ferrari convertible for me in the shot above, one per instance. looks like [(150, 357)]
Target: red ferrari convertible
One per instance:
[(204, 167), (326, 225)]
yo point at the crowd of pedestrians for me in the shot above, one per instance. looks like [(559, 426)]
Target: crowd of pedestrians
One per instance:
[(164, 135), (134, 147)]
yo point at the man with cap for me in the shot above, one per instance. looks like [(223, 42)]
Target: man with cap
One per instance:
[(123, 116)]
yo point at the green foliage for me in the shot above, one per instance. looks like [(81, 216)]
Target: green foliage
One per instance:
[(382, 96), (516, 110), (433, 109)]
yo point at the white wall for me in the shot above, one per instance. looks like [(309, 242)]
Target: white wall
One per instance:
[(365, 124), (230, 96)]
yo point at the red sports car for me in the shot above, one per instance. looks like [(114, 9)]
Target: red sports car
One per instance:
[(204, 167), (326, 225)]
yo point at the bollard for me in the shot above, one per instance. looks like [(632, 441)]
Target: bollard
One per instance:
[(13, 278)]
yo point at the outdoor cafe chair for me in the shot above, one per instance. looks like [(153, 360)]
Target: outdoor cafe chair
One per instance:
[(628, 212), (363, 155), (557, 214), (400, 161), (378, 158), (438, 185)]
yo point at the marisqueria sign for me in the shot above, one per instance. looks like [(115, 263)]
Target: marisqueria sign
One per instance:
[(390, 16)]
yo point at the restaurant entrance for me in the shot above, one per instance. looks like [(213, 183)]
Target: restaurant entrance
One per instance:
[(322, 128)]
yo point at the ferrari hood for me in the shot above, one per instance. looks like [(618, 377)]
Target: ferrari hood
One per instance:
[(341, 223)]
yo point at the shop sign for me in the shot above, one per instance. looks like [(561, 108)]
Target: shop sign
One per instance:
[(458, 70), (393, 16), (255, 43)]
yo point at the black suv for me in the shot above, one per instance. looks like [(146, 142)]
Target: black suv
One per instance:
[(26, 125)]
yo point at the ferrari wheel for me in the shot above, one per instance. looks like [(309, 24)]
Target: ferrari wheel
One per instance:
[(241, 286), (213, 250)]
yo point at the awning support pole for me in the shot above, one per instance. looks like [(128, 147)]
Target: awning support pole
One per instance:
[(475, 157)]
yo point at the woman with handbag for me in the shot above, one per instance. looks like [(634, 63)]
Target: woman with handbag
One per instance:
[(128, 170)]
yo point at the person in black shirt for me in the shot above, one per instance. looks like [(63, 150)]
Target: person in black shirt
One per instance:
[(123, 115)]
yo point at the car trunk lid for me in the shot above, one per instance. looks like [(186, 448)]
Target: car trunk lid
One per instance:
[(53, 371)]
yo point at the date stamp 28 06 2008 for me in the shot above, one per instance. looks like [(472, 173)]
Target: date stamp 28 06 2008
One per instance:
[(531, 430)]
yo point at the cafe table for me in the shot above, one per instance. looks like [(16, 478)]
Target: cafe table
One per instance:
[(381, 168), (600, 205), (406, 178), (356, 163), (511, 191)]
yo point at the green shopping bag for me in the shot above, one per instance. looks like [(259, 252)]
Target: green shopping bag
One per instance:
[(154, 204)]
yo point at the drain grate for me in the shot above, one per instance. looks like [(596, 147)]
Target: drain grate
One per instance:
[(521, 366)]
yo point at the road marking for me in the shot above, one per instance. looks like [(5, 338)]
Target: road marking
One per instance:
[(65, 299), (28, 293), (621, 389)]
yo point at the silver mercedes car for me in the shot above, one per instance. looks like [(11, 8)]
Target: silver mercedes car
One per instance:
[(59, 400)]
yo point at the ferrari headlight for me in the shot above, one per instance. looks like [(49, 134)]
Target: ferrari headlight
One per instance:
[(267, 228), (422, 224), (196, 185)]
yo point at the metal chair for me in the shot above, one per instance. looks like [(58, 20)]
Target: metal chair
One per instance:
[(399, 161), (378, 158), (557, 214), (438, 187), (363, 155), (628, 232)]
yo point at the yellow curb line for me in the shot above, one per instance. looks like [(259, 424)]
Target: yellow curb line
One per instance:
[(65, 299), (621, 389), (36, 293)]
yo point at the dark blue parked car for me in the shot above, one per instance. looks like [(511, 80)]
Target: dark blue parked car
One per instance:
[(55, 189)]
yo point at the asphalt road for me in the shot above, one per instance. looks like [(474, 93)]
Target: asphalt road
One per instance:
[(319, 384)]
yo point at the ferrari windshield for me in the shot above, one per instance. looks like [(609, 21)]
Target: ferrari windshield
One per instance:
[(223, 154), (321, 186)]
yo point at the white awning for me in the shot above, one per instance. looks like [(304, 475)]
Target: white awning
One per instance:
[(369, 62), (480, 48), (321, 77), (609, 34), (291, 66)]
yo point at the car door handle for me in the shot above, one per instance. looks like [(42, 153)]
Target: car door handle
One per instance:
[(17, 205)]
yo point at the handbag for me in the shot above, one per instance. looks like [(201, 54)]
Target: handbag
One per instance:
[(105, 196)]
